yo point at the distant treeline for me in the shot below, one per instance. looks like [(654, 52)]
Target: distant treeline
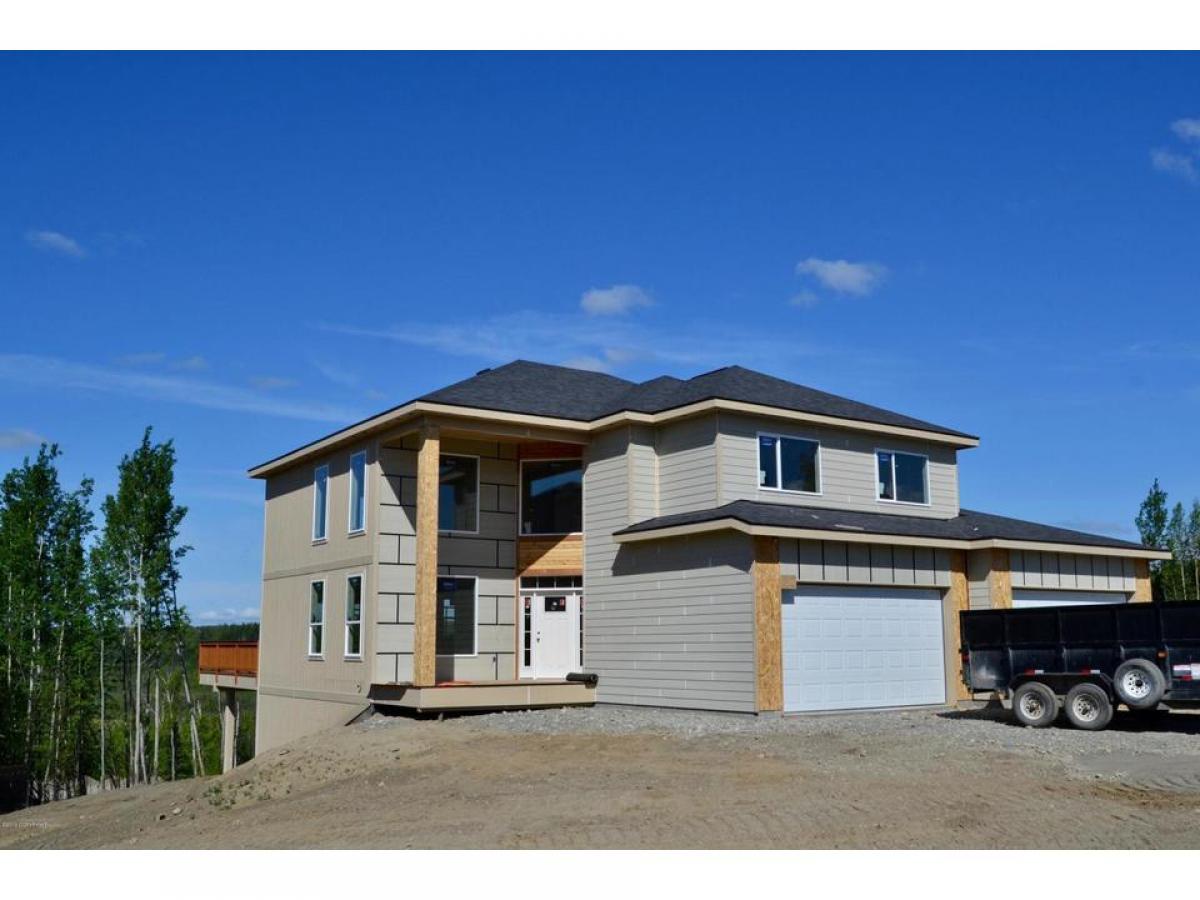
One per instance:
[(98, 683), (1175, 528)]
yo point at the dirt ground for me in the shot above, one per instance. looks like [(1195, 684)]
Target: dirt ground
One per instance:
[(614, 778)]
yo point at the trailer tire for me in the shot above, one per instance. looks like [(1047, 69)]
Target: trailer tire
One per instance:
[(1035, 705), (1088, 707), (1139, 684)]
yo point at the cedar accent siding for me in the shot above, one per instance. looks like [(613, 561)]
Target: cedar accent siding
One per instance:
[(667, 623)]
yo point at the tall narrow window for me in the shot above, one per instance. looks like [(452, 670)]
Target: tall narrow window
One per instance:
[(358, 492), (552, 496), (456, 617), (903, 477), (320, 502), (458, 493), (354, 615), (316, 618)]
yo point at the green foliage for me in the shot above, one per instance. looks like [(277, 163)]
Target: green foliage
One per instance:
[(1177, 529), (97, 658)]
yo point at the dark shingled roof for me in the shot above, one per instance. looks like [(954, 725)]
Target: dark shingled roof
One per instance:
[(544, 390), (968, 525)]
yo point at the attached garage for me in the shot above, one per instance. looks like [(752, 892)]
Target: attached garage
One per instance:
[(1024, 598), (862, 648)]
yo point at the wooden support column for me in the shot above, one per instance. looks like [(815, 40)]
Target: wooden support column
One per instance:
[(1000, 580), (768, 630), (957, 600), (1141, 581), (425, 603)]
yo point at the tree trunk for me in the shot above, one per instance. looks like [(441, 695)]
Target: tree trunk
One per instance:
[(157, 729), (103, 727), (139, 755), (52, 756), (197, 750)]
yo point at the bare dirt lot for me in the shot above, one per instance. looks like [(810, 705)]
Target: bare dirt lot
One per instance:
[(629, 778)]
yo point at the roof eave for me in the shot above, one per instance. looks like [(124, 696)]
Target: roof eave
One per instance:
[(732, 523)]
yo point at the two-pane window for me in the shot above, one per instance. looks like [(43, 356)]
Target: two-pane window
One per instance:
[(358, 492), (551, 496), (456, 616), (903, 477), (789, 464), (354, 615), (316, 619), (320, 527), (458, 493)]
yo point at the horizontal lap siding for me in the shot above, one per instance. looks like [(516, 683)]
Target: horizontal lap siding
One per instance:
[(847, 468), (667, 623), (687, 465)]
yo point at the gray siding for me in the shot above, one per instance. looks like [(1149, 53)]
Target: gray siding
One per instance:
[(687, 465), (489, 556), (845, 562), (979, 563), (1071, 571), (847, 468), (667, 623)]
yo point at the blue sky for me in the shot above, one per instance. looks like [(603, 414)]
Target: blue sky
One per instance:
[(249, 251)]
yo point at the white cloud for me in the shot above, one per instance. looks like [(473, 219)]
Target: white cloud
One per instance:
[(805, 299), (19, 438), (191, 364), (338, 375), (271, 382), (1176, 164), (56, 374), (842, 276), (614, 301), (1187, 129), (55, 242), (228, 614), (142, 359)]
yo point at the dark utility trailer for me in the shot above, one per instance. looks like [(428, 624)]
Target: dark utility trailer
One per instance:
[(1084, 660)]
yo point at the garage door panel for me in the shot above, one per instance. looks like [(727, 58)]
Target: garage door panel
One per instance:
[(857, 648)]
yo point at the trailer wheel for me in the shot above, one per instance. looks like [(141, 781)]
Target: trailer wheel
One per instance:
[(1035, 705), (1088, 707), (1139, 684)]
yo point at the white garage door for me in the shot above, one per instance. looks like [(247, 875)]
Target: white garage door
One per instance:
[(861, 648), (1024, 598)]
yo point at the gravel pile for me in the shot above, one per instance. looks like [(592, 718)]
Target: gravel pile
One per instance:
[(1168, 734)]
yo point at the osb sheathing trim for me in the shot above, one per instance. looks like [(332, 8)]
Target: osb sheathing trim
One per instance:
[(768, 626)]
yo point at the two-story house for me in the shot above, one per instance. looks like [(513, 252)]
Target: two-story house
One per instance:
[(728, 542)]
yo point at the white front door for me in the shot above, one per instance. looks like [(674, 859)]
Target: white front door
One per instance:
[(553, 637)]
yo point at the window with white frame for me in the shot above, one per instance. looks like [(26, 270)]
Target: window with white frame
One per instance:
[(358, 492), (789, 464), (456, 603), (458, 493), (903, 477), (354, 616), (316, 619), (320, 503)]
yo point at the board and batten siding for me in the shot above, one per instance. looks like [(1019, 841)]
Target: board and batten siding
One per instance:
[(488, 555), (1071, 571), (847, 467), (666, 623), (846, 562)]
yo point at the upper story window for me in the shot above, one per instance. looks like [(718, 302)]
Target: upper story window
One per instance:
[(903, 477), (458, 493), (320, 527), (316, 618), (789, 464), (358, 492), (551, 496)]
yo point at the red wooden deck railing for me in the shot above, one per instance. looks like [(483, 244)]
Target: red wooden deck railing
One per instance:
[(229, 657)]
